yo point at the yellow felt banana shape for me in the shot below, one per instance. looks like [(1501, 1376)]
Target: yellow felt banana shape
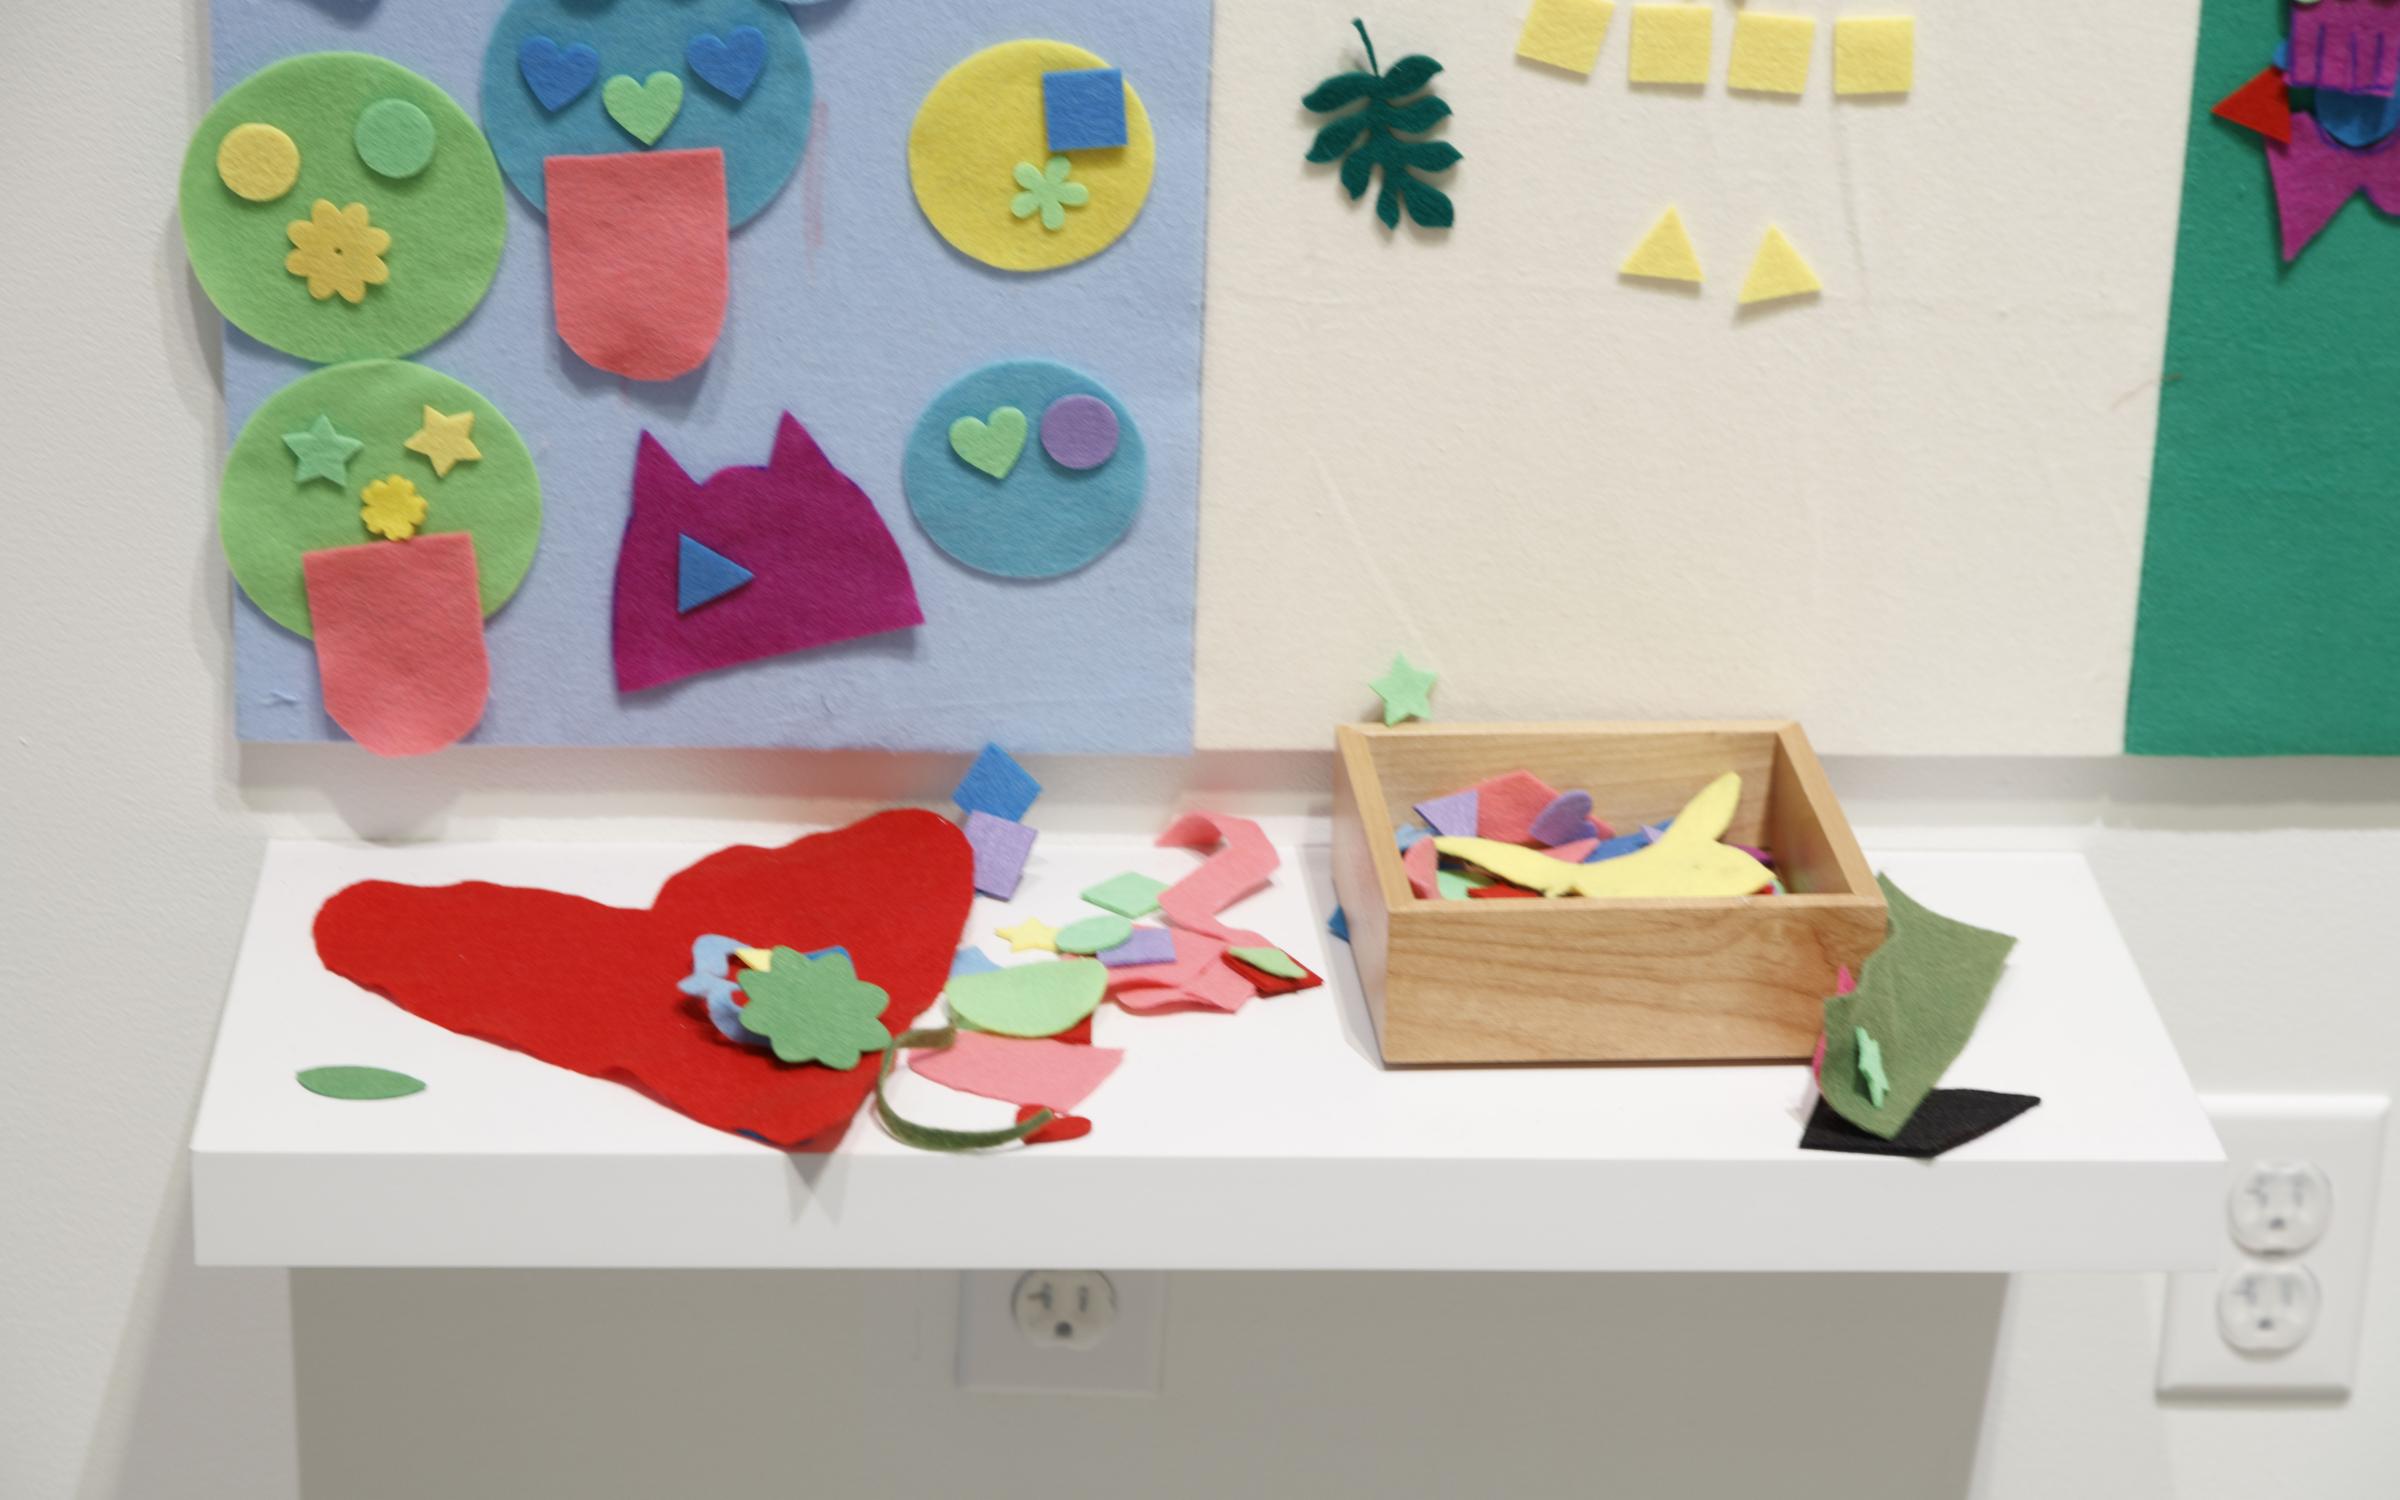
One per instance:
[(1687, 860)]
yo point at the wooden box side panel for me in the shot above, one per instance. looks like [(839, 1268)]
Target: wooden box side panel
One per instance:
[(1636, 773), (1816, 854), (1717, 981)]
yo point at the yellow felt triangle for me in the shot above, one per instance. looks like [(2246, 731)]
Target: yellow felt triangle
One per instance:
[(1665, 252), (1779, 271), (1686, 861)]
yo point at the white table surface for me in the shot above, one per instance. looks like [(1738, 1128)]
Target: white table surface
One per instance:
[(1267, 1139)]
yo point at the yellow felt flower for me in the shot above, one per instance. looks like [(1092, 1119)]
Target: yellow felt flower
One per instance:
[(338, 251), (393, 508)]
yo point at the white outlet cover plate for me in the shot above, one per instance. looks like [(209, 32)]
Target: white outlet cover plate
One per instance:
[(2342, 1134), (994, 1354)]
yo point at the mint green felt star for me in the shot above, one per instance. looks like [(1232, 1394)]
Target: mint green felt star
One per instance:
[(1871, 1076), (323, 453), (815, 1010), (1406, 692)]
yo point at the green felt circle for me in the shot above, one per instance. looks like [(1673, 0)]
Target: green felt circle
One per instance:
[(395, 138), (448, 221), (267, 517)]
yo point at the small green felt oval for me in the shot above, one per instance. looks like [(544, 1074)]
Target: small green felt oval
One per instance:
[(1270, 961), (1029, 1000), (359, 1083), (1093, 935)]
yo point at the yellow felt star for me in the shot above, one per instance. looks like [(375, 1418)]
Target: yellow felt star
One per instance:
[(1030, 936), (447, 441)]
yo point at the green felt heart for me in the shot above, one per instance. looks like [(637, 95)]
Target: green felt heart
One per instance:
[(991, 446), (644, 108)]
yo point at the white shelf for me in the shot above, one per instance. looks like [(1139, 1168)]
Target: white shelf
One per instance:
[(1270, 1139)]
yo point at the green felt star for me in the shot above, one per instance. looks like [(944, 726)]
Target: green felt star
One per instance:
[(815, 1010), (1406, 692), (1871, 1076), (323, 453)]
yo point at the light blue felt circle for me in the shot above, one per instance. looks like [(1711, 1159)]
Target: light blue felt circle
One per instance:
[(1044, 519), (762, 135)]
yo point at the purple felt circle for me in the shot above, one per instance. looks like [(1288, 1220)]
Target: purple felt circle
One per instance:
[(1080, 432)]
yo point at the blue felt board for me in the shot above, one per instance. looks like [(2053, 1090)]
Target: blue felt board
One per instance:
[(1043, 519), (997, 786), (761, 133), (851, 312), (1083, 109), (704, 575)]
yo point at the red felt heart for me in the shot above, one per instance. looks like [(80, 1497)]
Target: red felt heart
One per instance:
[(1060, 1128), (592, 988)]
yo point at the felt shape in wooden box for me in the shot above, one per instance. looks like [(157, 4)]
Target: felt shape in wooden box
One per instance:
[(1575, 979)]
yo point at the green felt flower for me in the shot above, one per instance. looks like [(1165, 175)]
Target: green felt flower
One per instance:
[(815, 1010), (1048, 192)]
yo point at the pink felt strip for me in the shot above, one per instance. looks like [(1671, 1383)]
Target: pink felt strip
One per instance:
[(399, 633), (1421, 862), (1055, 1075), (638, 258), (1242, 866)]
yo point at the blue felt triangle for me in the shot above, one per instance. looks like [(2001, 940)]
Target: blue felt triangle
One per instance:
[(704, 575)]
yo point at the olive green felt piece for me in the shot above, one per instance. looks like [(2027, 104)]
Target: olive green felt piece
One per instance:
[(932, 1137), (359, 1083), (1919, 998)]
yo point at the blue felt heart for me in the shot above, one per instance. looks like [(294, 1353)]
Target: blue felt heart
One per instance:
[(557, 75), (731, 63)]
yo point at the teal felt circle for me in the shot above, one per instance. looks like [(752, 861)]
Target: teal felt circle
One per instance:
[(394, 138), (762, 134), (1042, 519)]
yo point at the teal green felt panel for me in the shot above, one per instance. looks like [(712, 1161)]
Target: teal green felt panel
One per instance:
[(2270, 609)]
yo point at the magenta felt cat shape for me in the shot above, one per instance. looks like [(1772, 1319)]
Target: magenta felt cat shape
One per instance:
[(823, 567)]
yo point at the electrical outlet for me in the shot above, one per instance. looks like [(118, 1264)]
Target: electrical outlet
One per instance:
[(2283, 1312), (1087, 1332)]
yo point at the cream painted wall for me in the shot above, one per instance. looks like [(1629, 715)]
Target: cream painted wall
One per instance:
[(132, 826)]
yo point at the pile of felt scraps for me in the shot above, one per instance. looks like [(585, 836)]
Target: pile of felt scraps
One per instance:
[(1516, 836), (1889, 1038), (1021, 1033)]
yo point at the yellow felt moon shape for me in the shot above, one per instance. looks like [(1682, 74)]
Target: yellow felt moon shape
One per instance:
[(1687, 860), (982, 121)]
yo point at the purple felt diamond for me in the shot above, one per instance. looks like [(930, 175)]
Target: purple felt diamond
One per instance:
[(1453, 817), (1000, 850), (1148, 945)]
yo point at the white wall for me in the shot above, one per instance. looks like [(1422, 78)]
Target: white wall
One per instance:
[(131, 830)]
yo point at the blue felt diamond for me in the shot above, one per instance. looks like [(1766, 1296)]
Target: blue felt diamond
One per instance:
[(996, 785), (704, 575), (1083, 109)]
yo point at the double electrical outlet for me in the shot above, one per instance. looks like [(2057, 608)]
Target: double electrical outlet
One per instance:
[(2282, 1312)]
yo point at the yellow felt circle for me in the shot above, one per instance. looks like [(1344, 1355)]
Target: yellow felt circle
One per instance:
[(985, 117), (258, 162)]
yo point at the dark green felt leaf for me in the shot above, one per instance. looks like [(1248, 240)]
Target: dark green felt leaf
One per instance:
[(359, 1083), (933, 1137), (1374, 136)]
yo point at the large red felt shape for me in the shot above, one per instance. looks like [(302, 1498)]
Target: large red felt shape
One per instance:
[(592, 988)]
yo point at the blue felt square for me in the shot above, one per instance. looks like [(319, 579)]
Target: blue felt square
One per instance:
[(1084, 108), (997, 785)]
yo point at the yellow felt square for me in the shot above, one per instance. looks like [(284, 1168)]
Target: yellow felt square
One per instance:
[(1566, 33), (1874, 54), (1670, 43), (1770, 53)]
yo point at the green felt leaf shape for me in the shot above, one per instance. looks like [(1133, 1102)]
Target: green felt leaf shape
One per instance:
[(359, 1083), (1270, 961), (933, 1137), (1374, 136), (815, 1010), (1027, 1000), (1919, 998), (1093, 934)]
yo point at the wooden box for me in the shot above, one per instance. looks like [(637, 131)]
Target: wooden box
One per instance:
[(1577, 980)]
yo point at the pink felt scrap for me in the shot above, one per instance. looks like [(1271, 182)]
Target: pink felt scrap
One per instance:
[(1200, 977), (1421, 862), (1014, 1070), (638, 258), (1243, 865), (1575, 853), (399, 635), (1506, 806)]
